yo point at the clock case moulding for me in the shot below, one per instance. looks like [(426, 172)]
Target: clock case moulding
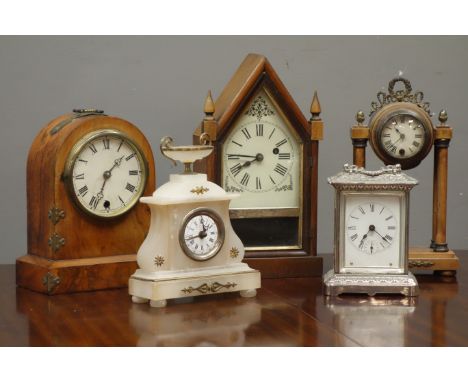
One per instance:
[(69, 250), (253, 74)]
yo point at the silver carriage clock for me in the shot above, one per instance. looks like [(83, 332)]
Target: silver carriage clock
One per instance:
[(371, 232)]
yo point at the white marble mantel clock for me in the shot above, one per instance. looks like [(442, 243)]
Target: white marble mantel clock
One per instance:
[(191, 248), (371, 232)]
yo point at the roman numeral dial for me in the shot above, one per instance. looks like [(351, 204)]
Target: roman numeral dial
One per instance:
[(402, 136), (260, 156), (371, 227), (107, 174)]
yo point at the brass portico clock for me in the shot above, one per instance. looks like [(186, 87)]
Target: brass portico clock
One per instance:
[(371, 232), (191, 248), (86, 171), (400, 131), (265, 150)]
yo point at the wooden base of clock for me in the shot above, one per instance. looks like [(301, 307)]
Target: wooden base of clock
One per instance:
[(280, 267), (426, 259), (173, 285), (77, 275)]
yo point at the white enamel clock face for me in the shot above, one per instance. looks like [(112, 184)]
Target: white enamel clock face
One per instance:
[(262, 158), (372, 237), (202, 234), (402, 136), (107, 174)]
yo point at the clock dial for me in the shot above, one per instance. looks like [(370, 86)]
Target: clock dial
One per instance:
[(372, 232), (371, 227), (202, 234), (108, 174), (262, 159), (402, 136)]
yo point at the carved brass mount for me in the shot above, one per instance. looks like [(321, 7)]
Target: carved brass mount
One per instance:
[(399, 95)]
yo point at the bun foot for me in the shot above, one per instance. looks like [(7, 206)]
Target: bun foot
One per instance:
[(139, 300), (248, 293), (158, 303)]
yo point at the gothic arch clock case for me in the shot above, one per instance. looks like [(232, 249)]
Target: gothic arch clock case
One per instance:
[(266, 150)]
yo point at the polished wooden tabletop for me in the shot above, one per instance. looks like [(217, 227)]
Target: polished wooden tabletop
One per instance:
[(286, 312)]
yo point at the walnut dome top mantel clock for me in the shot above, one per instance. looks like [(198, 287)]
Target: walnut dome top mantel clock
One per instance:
[(371, 232), (266, 150), (191, 248), (85, 173), (401, 131)]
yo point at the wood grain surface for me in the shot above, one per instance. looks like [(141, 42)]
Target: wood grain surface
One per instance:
[(286, 312)]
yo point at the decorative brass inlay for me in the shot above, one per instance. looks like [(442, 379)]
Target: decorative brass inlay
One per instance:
[(158, 261), (209, 288), (234, 252), (401, 95), (55, 214), (56, 241), (50, 281), (199, 190), (420, 264), (259, 109)]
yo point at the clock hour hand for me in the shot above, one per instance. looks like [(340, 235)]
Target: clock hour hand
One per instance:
[(258, 157), (106, 175), (362, 240)]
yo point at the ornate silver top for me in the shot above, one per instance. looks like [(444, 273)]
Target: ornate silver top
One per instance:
[(358, 178)]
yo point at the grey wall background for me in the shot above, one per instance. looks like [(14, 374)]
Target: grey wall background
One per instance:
[(159, 83)]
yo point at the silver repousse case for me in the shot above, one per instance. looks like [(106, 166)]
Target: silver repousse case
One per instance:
[(389, 180)]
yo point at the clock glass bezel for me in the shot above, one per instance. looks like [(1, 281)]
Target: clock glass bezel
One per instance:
[(341, 233), (381, 119), (221, 233), (73, 156), (261, 212)]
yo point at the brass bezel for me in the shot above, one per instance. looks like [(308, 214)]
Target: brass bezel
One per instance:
[(383, 115), (240, 213), (72, 157), (221, 233)]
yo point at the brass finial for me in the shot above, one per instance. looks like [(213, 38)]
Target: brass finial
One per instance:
[(443, 116), (209, 107), (360, 117), (315, 109)]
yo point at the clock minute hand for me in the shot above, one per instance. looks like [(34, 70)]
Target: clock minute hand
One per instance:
[(235, 156), (381, 236)]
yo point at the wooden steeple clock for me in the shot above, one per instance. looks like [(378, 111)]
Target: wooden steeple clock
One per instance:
[(266, 150)]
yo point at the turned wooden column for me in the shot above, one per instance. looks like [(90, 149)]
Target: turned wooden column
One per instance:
[(443, 134), (359, 137), (316, 135)]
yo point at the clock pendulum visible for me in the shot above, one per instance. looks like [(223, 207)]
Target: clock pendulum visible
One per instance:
[(400, 131), (191, 248)]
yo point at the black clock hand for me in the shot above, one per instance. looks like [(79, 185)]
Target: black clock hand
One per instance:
[(381, 236), (258, 157), (106, 175), (236, 156), (362, 240)]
